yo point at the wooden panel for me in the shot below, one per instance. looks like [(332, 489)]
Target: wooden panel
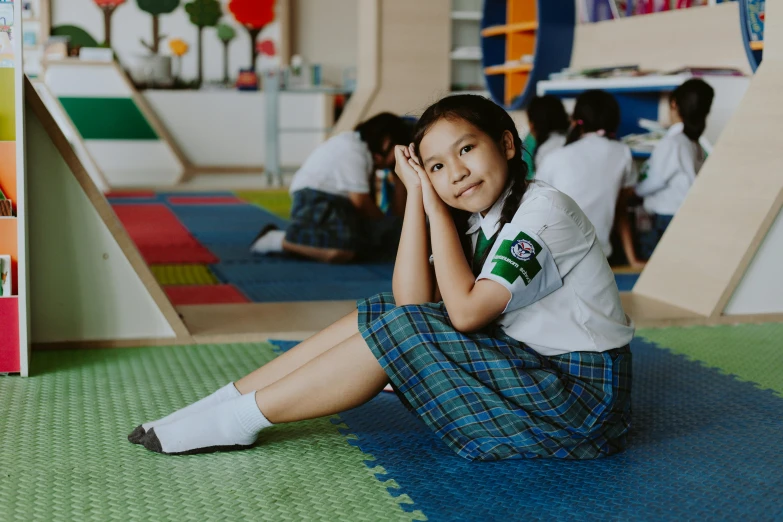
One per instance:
[(368, 67), (261, 321), (728, 211), (89, 280), (411, 28), (700, 36)]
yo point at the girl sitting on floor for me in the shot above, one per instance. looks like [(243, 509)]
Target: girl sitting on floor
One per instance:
[(509, 341), (549, 124), (672, 168), (334, 217), (594, 168)]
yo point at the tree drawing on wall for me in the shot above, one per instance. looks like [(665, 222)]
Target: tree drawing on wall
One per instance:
[(226, 33), (254, 15), (156, 8), (203, 13), (108, 7)]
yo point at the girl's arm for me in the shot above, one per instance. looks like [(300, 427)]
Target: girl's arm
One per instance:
[(624, 228), (413, 281), (471, 305)]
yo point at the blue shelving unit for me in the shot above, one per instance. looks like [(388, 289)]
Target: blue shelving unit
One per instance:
[(543, 30), (752, 30)]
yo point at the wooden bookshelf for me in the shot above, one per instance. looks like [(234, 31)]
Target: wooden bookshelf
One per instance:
[(14, 329), (523, 42)]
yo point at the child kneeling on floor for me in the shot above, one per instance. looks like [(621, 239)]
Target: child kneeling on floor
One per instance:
[(334, 217), (508, 341)]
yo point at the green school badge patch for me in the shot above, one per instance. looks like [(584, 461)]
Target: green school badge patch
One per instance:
[(517, 258)]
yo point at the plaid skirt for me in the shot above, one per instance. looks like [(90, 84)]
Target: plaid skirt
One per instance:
[(323, 220), (490, 397)]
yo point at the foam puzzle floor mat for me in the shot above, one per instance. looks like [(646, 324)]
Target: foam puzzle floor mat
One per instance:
[(705, 445), (223, 224), (65, 455)]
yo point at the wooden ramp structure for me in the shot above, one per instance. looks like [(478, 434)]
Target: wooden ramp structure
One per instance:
[(90, 286), (117, 136), (720, 259)]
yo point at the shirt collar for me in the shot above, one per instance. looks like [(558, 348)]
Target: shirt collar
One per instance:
[(676, 129), (488, 223)]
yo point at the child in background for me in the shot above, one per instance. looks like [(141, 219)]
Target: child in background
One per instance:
[(510, 343), (334, 216), (593, 168), (549, 124), (673, 165)]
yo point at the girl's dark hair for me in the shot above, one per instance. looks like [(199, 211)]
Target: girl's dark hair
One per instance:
[(375, 131), (694, 101), (547, 115), (594, 111), (492, 120)]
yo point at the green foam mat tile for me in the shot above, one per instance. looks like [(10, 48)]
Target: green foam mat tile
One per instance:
[(64, 453), (278, 202), (181, 274), (751, 352)]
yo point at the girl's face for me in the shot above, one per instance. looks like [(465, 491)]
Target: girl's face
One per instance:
[(467, 168)]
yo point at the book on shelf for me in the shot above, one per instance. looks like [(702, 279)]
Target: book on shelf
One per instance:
[(707, 71), (5, 276)]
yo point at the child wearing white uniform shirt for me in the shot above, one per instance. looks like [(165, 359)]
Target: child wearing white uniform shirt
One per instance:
[(592, 168), (548, 122), (531, 359), (334, 217), (672, 168)]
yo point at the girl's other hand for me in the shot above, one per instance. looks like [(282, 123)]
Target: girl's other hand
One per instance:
[(432, 202), (404, 169)]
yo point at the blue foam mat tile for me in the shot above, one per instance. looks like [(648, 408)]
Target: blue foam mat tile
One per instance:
[(309, 291), (704, 446), (245, 220), (270, 272), (626, 282)]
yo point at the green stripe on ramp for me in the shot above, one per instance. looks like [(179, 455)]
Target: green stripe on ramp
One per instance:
[(108, 119)]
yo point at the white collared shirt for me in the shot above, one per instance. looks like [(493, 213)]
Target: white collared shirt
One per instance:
[(341, 165), (591, 171), (554, 142), (563, 294), (669, 173)]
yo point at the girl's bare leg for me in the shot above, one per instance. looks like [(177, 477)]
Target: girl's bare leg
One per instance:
[(300, 355), (336, 380)]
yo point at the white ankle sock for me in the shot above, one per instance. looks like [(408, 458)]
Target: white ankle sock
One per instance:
[(270, 242), (226, 393), (233, 423)]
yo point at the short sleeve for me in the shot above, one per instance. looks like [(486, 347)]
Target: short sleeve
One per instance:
[(352, 169), (521, 262)]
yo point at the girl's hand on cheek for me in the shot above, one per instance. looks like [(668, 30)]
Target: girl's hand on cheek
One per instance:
[(432, 202), (403, 169)]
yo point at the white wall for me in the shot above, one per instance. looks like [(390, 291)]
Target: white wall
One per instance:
[(326, 32), (130, 25)]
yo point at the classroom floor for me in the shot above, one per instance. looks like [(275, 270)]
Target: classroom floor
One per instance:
[(708, 422), (197, 246)]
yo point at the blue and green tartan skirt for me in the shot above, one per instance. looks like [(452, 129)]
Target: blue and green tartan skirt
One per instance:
[(323, 220), (490, 397)]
